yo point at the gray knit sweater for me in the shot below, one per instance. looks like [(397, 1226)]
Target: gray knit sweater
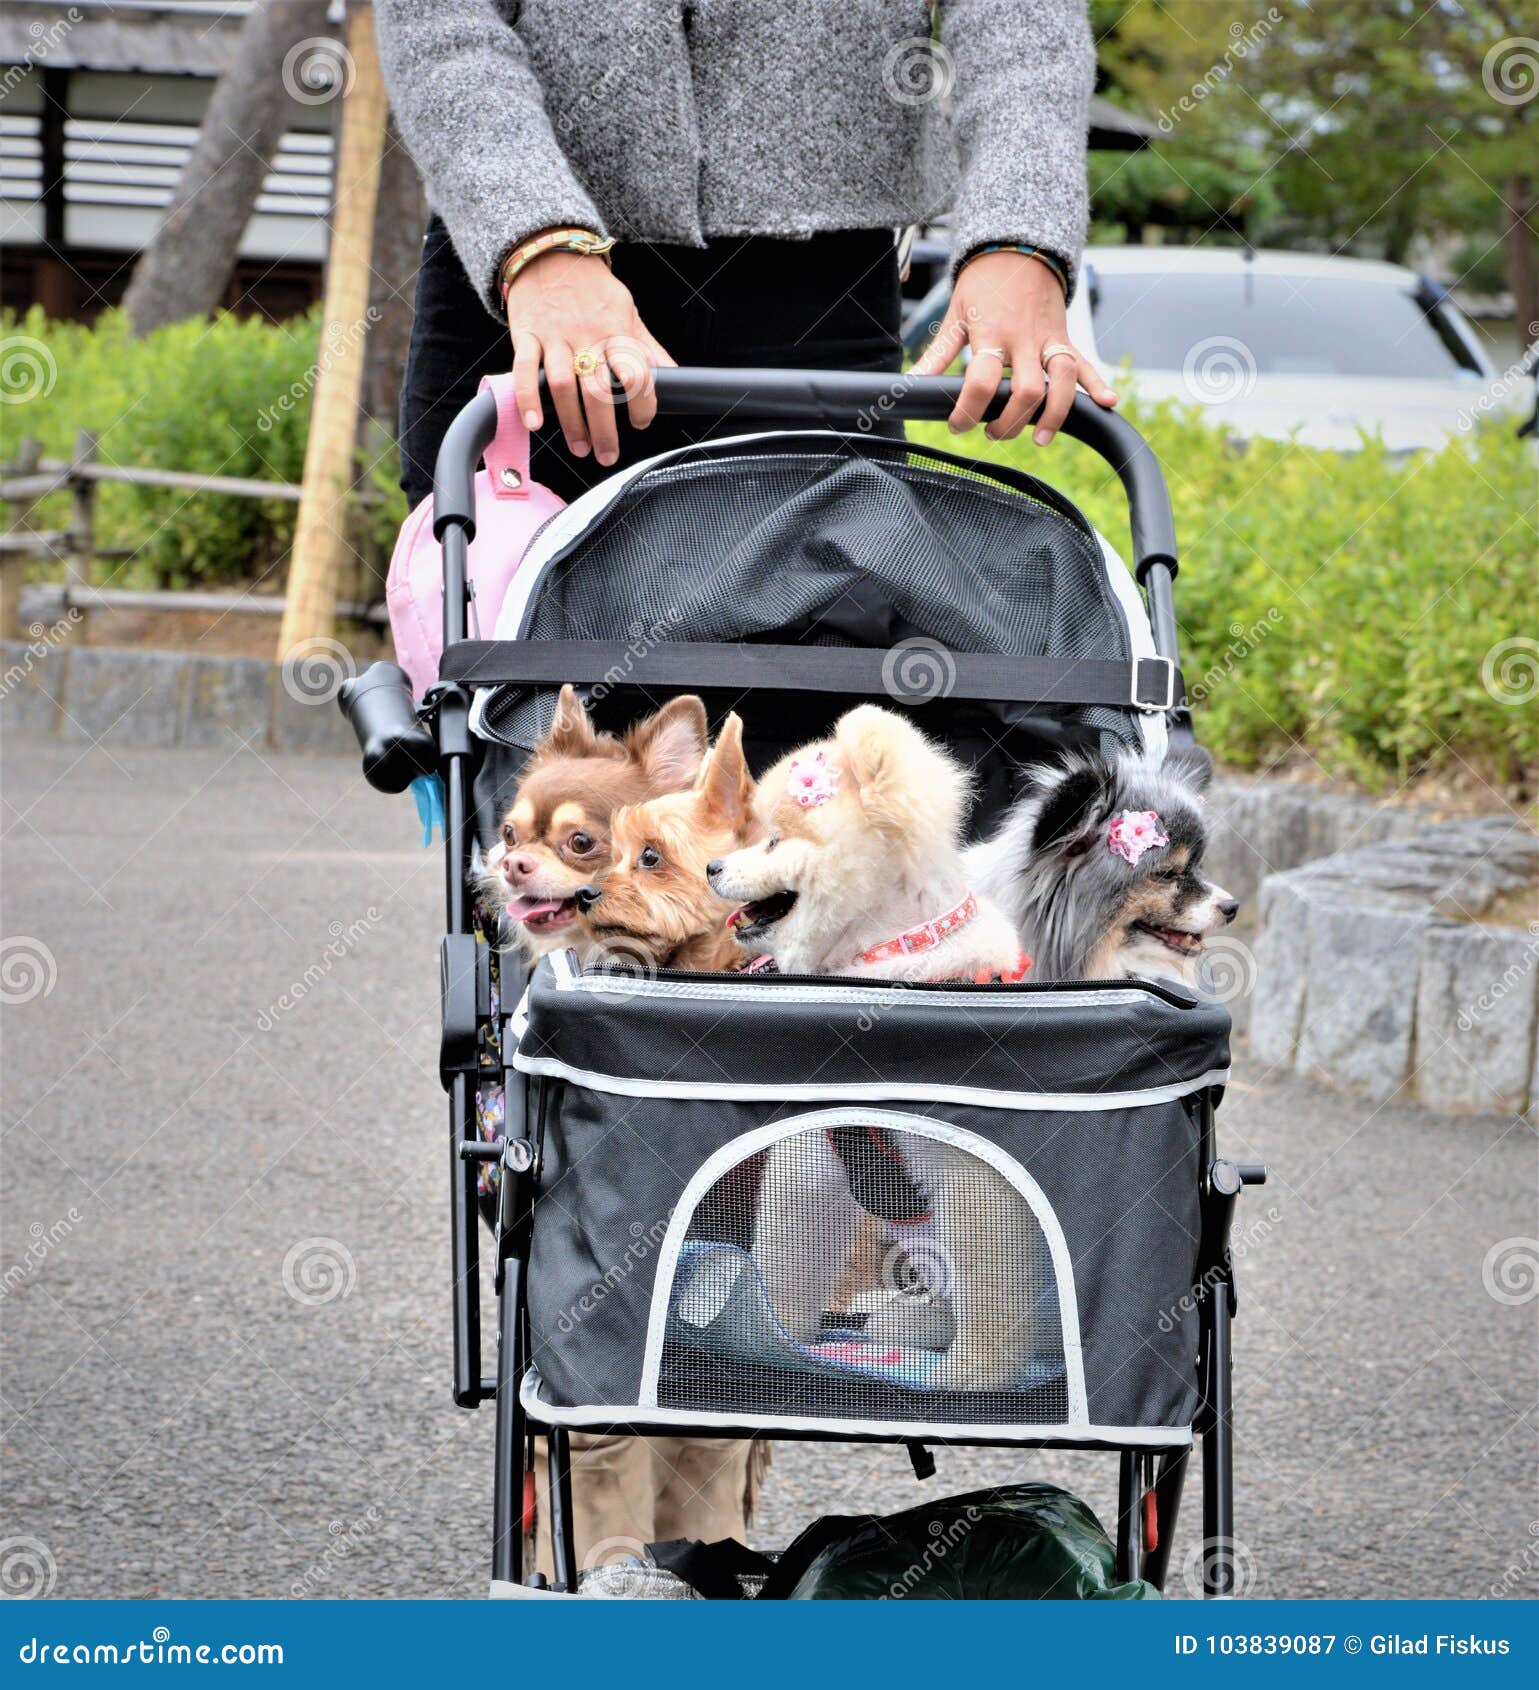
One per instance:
[(679, 120)]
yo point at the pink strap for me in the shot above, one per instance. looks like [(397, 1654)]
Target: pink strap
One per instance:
[(507, 458)]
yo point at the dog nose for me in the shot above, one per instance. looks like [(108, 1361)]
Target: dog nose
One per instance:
[(523, 867), (713, 868), (587, 896), (1229, 908)]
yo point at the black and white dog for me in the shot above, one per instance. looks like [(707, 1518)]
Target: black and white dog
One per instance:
[(1099, 866)]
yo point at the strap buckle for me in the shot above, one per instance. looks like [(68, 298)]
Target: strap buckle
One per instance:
[(1146, 680)]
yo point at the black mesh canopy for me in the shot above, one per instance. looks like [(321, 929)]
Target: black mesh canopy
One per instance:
[(825, 539)]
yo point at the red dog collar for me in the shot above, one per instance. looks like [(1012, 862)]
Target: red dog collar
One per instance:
[(924, 937)]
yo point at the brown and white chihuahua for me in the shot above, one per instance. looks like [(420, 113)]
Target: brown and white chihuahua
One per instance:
[(556, 837), (652, 905)]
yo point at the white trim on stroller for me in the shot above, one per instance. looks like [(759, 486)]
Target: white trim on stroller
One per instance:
[(695, 1419), (737, 1150), (582, 512)]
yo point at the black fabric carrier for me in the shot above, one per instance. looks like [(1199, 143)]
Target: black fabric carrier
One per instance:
[(832, 1205)]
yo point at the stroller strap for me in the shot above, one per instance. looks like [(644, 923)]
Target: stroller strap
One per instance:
[(1142, 683)]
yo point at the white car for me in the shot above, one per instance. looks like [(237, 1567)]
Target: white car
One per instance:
[(1284, 344)]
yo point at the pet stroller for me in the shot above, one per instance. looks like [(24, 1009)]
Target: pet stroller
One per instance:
[(787, 576)]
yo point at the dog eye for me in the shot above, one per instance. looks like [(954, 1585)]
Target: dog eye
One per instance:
[(771, 843), (581, 843), (649, 858), (509, 834), (1167, 874)]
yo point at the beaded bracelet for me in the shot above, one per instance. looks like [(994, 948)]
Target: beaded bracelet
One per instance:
[(585, 241), (1041, 257)]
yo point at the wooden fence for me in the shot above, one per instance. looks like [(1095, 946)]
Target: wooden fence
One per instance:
[(32, 478)]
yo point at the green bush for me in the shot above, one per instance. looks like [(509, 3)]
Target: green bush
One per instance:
[(230, 396), (1353, 614)]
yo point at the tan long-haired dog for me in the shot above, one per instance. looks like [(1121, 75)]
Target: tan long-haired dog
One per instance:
[(653, 904)]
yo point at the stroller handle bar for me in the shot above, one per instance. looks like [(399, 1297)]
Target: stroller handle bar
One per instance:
[(838, 398)]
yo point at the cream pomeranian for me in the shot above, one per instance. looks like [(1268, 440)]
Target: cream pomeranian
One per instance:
[(861, 873)]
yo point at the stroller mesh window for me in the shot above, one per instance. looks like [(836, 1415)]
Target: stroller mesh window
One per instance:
[(864, 1270), (868, 546)]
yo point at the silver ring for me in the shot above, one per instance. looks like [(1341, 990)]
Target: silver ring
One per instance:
[(1057, 349), (989, 352)]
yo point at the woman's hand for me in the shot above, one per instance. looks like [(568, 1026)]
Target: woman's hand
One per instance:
[(566, 304), (1008, 307)]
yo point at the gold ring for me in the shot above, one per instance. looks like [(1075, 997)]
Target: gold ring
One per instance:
[(1057, 349), (989, 352), (585, 363)]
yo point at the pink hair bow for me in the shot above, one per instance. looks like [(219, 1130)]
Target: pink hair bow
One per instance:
[(811, 781), (1134, 832)]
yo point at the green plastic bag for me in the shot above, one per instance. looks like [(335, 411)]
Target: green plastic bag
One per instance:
[(1028, 1541)]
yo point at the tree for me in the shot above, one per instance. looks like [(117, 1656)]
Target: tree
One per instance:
[(1376, 124), (184, 270)]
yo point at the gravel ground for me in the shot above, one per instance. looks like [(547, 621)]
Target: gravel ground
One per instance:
[(224, 1302)]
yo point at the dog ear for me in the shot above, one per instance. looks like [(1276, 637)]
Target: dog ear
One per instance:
[(670, 745), (571, 732), (1070, 799), (1191, 764), (724, 782), (905, 785)]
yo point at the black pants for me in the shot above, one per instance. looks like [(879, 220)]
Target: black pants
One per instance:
[(829, 303)]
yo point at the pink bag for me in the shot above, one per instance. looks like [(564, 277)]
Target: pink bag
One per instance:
[(509, 510)]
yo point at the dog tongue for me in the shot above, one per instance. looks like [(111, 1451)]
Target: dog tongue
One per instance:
[(526, 909)]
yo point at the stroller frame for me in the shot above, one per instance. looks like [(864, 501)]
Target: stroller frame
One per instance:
[(440, 740)]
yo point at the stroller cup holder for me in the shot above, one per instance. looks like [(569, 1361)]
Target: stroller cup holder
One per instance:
[(1093, 1104)]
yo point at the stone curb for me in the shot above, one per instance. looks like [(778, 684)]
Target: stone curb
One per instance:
[(111, 696), (1371, 974)]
